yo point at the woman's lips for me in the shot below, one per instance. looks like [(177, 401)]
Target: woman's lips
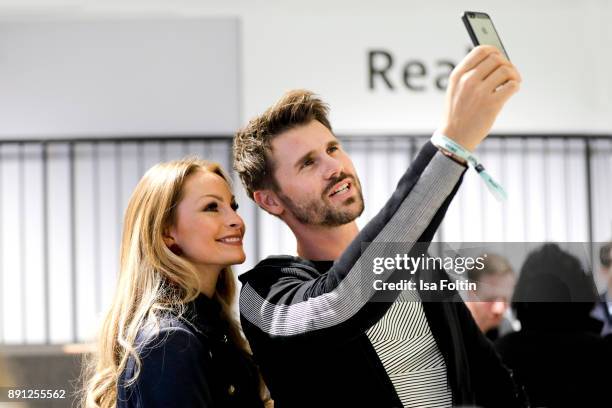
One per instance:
[(231, 240)]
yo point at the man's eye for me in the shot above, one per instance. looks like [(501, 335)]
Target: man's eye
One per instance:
[(308, 162), (211, 207), (332, 149)]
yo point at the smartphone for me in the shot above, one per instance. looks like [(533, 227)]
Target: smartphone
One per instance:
[(482, 31)]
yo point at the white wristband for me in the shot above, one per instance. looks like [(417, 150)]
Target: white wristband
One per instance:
[(441, 141)]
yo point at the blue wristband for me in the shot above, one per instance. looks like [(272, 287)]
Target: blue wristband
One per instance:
[(443, 142)]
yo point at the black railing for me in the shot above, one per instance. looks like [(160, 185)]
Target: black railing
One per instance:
[(86, 182)]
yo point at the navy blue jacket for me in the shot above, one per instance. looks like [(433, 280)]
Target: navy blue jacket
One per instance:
[(189, 362)]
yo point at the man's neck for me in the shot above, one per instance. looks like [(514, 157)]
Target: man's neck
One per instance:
[(324, 243)]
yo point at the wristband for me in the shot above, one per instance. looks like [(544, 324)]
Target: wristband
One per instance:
[(443, 142)]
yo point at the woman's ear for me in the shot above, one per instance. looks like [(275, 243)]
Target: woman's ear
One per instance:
[(269, 201), (168, 236), (170, 242)]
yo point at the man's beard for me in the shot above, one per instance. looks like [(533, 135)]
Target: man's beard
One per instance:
[(319, 211)]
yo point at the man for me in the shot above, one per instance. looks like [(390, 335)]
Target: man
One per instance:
[(319, 339), (603, 309), (489, 302)]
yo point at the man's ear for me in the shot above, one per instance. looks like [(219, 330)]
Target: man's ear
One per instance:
[(269, 201)]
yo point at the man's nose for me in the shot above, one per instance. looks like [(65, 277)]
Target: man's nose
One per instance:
[(499, 307), (333, 167)]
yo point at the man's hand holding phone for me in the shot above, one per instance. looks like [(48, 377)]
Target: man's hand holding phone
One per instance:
[(477, 90)]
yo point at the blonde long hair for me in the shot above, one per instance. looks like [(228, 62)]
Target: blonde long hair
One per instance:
[(152, 279)]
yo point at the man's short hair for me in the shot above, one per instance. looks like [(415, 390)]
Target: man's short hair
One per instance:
[(605, 255), (494, 265), (253, 143)]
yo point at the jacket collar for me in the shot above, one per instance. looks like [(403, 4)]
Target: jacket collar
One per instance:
[(204, 314)]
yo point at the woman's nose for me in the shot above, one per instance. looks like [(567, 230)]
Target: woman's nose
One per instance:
[(235, 221)]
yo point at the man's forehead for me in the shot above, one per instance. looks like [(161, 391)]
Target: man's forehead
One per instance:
[(294, 143), (497, 284)]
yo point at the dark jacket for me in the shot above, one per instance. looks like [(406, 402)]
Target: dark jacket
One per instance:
[(562, 362), (558, 356), (189, 362), (307, 321)]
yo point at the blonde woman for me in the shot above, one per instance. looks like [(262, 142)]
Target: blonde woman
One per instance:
[(170, 338)]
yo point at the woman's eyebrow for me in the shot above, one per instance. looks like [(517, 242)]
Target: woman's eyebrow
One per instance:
[(210, 195)]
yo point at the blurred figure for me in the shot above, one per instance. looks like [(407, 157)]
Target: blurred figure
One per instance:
[(7, 381), (603, 308), (4, 374), (558, 356), (490, 301)]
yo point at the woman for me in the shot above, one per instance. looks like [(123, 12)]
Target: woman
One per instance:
[(170, 339)]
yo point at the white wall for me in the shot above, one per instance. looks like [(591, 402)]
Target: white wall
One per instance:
[(130, 76), (561, 47)]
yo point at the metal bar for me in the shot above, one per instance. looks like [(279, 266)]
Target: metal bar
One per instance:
[(73, 240), (413, 149), (502, 179), (368, 166), (482, 199), (546, 201), (257, 232), (118, 190), (1, 248), (609, 193), (46, 155), (117, 138), (205, 150), (185, 149), (140, 158), (22, 240), (230, 162), (566, 189), (96, 221), (390, 144), (218, 137), (589, 185), (164, 150), (45, 235), (525, 187)]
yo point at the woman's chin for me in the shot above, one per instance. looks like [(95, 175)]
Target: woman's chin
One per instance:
[(237, 260)]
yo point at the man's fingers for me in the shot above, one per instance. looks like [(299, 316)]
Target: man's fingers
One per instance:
[(500, 76), (475, 57), (505, 91), (489, 65)]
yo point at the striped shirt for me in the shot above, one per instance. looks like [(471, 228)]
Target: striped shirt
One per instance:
[(408, 351)]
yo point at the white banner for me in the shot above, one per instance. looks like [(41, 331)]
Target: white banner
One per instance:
[(562, 52)]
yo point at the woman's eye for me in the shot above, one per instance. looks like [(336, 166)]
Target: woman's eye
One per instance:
[(211, 207), (235, 206)]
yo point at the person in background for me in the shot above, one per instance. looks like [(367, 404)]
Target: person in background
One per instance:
[(170, 338), (490, 301), (603, 308), (558, 355)]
